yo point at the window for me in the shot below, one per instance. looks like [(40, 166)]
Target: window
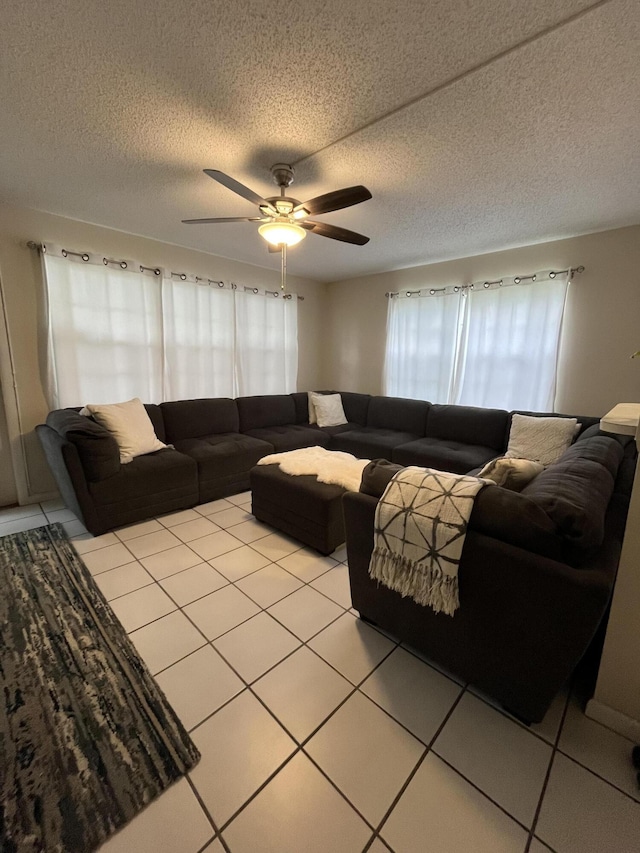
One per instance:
[(493, 346), (118, 333)]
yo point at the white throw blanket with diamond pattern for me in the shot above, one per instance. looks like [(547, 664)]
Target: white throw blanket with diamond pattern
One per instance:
[(420, 527)]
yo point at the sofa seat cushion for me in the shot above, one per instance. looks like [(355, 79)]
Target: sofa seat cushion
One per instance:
[(221, 455), (155, 476), (336, 430), (370, 442), (443, 454), (290, 436)]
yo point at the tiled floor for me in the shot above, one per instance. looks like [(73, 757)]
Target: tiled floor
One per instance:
[(320, 733)]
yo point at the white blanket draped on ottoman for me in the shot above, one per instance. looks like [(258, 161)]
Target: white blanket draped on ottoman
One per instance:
[(420, 527)]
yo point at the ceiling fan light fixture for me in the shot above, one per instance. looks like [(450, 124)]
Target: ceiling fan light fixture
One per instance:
[(277, 233), (300, 213)]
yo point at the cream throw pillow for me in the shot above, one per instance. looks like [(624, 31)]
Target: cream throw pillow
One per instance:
[(130, 425), (513, 474), (540, 439), (329, 411)]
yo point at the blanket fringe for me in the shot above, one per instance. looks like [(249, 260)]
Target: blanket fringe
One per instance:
[(427, 585)]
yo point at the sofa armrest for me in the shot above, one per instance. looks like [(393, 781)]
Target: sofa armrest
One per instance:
[(97, 448)]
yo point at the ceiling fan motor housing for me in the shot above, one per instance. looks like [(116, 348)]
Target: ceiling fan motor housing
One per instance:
[(282, 174)]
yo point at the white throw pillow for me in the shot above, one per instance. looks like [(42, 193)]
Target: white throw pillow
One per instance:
[(312, 408), (130, 425), (540, 439), (329, 411), (513, 474)]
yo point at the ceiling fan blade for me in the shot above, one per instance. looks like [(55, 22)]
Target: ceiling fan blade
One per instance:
[(236, 187), (223, 219), (335, 233), (336, 200)]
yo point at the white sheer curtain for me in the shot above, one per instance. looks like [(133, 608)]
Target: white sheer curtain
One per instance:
[(266, 343), (105, 333), (199, 333), (493, 346), (509, 350), (120, 330), (422, 336)]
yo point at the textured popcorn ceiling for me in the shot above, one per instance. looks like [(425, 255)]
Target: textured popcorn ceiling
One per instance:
[(109, 111)]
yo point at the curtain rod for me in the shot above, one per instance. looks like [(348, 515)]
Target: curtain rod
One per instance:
[(570, 272), (157, 271)]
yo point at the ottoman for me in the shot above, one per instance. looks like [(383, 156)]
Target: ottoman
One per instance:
[(299, 506)]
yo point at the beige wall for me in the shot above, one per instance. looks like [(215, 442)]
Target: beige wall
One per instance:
[(601, 330), (21, 285)]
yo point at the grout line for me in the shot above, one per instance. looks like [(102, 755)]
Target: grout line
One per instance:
[(545, 783)]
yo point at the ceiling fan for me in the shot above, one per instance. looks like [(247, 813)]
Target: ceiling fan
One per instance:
[(284, 218)]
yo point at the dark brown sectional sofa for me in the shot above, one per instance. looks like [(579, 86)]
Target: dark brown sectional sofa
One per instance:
[(538, 566)]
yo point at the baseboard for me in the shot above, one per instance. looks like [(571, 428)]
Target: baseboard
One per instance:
[(615, 720)]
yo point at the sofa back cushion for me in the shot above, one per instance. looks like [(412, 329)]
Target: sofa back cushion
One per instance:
[(469, 424), (301, 402), (575, 491), (398, 414), (197, 418), (266, 411), (155, 416), (356, 406), (97, 448)]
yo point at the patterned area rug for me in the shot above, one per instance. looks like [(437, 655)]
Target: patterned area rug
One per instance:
[(87, 739)]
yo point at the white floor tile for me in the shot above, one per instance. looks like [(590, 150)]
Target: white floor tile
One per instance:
[(502, 758), (94, 543), (179, 517), (298, 811), (198, 685), (366, 754), (103, 559), (307, 565), (440, 805), (214, 544), (19, 525), (240, 562), (192, 584), (584, 814), (142, 606), (302, 691), (123, 580), (276, 546), (60, 515), (141, 528), (251, 531), (213, 506), (340, 554), (413, 693), (240, 498), (305, 612), (195, 529), (241, 746), (52, 505), (352, 647), (15, 513), (599, 749), (171, 562), (268, 585), (167, 640), (152, 543), (256, 645), (74, 528), (222, 610), (173, 823), (335, 584), (229, 517)]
